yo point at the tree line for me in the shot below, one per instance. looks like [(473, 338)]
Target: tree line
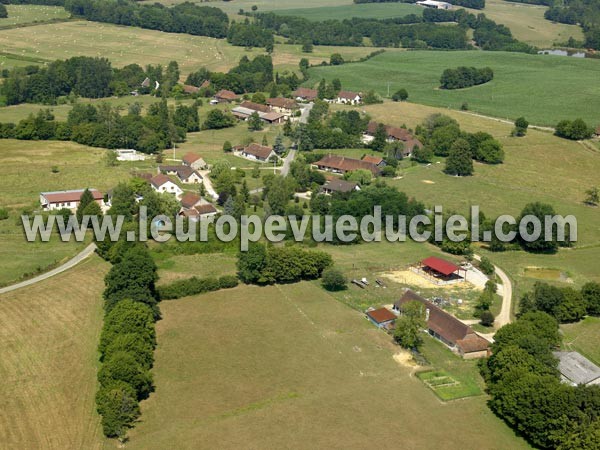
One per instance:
[(463, 77), (182, 18), (526, 390), (104, 126), (84, 76)]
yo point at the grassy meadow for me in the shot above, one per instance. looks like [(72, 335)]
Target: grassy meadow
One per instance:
[(48, 361), (367, 11), (126, 45), (543, 88), (29, 14), (299, 367), (527, 23), (583, 337)]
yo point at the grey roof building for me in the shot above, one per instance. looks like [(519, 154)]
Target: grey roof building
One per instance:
[(576, 369)]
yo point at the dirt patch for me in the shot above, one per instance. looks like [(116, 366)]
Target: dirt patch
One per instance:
[(428, 181), (405, 359), (410, 278)]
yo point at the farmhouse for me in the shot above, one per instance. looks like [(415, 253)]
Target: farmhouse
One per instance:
[(377, 160), (225, 96), (257, 152), (447, 328), (185, 174), (194, 161), (340, 186), (189, 89), (341, 164), (434, 4), (575, 369), (201, 211), (382, 317), (246, 109), (51, 201), (189, 200), (348, 98), (161, 183), (305, 94), (255, 107), (282, 105)]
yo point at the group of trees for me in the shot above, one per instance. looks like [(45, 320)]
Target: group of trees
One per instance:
[(474, 4), (526, 390), (263, 264), (182, 18), (254, 75), (3, 11), (564, 304), (246, 34), (195, 285), (84, 76), (463, 77), (127, 340), (574, 129), (442, 136), (104, 126), (583, 12)]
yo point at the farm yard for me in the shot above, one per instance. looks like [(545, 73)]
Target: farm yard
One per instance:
[(267, 393), (522, 85)]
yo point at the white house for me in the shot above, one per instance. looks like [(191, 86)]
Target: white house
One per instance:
[(348, 98), (185, 174), (256, 152), (55, 200), (161, 183)]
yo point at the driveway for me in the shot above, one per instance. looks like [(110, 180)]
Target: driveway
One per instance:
[(86, 252), (305, 112)]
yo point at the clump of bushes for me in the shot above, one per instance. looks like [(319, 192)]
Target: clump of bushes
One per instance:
[(3, 213), (334, 280), (575, 130), (195, 285)]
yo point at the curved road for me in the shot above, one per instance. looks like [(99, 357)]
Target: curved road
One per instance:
[(505, 312), (86, 252)]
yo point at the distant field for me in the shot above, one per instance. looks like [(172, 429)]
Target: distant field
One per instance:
[(282, 366), (263, 5), (126, 45), (24, 14), (527, 23), (371, 11), (48, 361), (543, 88)]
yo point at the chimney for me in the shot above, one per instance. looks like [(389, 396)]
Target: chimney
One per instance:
[(427, 315)]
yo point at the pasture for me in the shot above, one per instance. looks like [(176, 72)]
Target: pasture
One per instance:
[(543, 88), (367, 11), (126, 45), (583, 337), (48, 360), (527, 23), (29, 14), (284, 365)]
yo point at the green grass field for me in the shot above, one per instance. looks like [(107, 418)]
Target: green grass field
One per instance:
[(370, 11), (126, 45), (583, 337), (543, 88), (48, 361), (27, 14), (527, 23), (281, 366)]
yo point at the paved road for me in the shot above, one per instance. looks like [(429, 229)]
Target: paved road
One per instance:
[(305, 112), (86, 252), (285, 169)]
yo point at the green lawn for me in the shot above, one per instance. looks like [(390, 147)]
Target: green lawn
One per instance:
[(368, 11), (583, 337), (280, 366), (26, 14), (543, 88)]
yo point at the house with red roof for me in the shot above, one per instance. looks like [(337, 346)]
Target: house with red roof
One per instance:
[(55, 200), (256, 152), (162, 183), (225, 96), (194, 161)]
